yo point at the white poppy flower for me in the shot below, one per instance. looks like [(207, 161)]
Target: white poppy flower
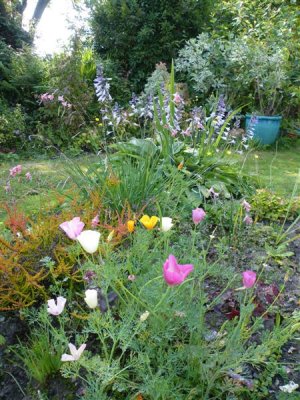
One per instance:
[(58, 307), (166, 224), (89, 240), (91, 298), (75, 354)]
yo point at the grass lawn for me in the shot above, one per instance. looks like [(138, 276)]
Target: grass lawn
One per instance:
[(275, 169), (49, 177)]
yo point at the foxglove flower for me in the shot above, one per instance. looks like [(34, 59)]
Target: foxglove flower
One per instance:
[(58, 307), (89, 240), (248, 220), (102, 86), (246, 206), (174, 273), (75, 354), (198, 215), (72, 228), (177, 98)]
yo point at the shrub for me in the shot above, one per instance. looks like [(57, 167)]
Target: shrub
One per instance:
[(247, 71), (12, 127), (136, 35), (267, 205)]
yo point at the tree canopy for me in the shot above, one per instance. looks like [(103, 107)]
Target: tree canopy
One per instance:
[(137, 34)]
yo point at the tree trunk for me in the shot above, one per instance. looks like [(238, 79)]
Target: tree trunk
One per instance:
[(39, 10)]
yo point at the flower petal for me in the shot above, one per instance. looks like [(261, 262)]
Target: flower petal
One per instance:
[(67, 357)]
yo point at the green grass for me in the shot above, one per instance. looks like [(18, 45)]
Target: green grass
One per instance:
[(48, 178), (276, 169)]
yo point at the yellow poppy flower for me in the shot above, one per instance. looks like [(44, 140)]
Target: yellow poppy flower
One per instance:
[(130, 225), (148, 222)]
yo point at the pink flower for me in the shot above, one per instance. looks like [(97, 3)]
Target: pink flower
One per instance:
[(15, 170), (248, 220), (249, 278), (246, 206), (75, 354), (72, 228), (198, 215), (66, 104), (56, 309), (131, 278), (28, 176), (44, 97), (187, 132), (95, 221), (177, 98), (174, 273), (60, 98)]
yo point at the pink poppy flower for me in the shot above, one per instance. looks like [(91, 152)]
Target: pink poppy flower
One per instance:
[(174, 273), (249, 278), (131, 277), (198, 215), (72, 228)]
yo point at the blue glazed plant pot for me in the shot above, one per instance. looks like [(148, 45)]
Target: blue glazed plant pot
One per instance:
[(265, 129)]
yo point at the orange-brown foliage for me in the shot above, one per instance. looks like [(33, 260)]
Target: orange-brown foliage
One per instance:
[(24, 279)]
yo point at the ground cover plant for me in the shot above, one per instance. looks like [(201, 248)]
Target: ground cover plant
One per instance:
[(164, 263)]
